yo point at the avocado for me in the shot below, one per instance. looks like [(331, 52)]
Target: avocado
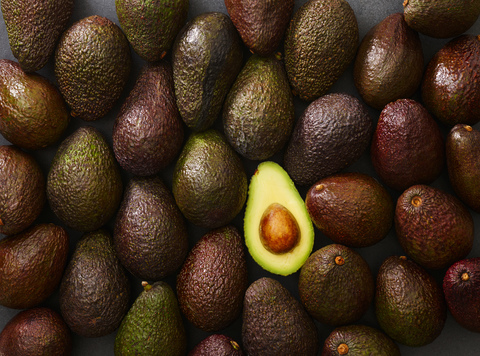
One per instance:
[(209, 180), (33, 29), (218, 345), (258, 113), (320, 43), (153, 326), (336, 285), (261, 24), (441, 18), (389, 62), (22, 190), (31, 265), (461, 285), (92, 66), (33, 114), (151, 26), (462, 147), (407, 146), (409, 304), (359, 340), (213, 280), (150, 234), (433, 227), (351, 208), (278, 231), (207, 56), (94, 291), (36, 332), (332, 133), (275, 323), (84, 186), (148, 130), (450, 86)]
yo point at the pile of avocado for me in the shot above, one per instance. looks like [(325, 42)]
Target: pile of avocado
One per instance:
[(194, 182)]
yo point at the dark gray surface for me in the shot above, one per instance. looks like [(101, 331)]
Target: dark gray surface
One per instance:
[(454, 340)]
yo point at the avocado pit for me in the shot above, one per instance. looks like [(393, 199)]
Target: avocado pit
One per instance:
[(279, 230)]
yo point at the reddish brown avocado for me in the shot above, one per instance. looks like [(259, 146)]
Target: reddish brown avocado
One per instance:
[(217, 344)]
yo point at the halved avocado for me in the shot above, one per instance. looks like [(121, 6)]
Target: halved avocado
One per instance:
[(278, 231)]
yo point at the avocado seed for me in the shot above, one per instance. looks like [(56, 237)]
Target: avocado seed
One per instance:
[(279, 231)]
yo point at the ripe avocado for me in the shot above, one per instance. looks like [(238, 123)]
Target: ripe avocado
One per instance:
[(409, 304), (278, 231), (94, 291), (218, 345), (92, 66), (258, 113), (213, 280), (320, 42), (33, 114)]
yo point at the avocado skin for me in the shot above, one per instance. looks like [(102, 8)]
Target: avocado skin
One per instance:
[(258, 113), (34, 28), (150, 234), (407, 146), (261, 24), (153, 326), (351, 208), (148, 131), (440, 215), (409, 304), (151, 26), (94, 291), (336, 294), (22, 190), (36, 332), (441, 19), (389, 62), (332, 133), (92, 66), (218, 345), (84, 186), (320, 42), (41, 252), (462, 295), (275, 323), (450, 86), (462, 148), (212, 282), (33, 114), (362, 340), (207, 56), (209, 181)]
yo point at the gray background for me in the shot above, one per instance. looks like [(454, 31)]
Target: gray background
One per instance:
[(454, 340)]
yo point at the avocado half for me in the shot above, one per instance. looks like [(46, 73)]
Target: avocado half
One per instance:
[(278, 231)]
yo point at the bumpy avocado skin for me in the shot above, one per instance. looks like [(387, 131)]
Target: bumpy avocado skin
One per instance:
[(34, 28), (151, 26), (258, 113), (217, 344), (206, 57), (451, 83), (84, 185), (92, 66), (320, 42)]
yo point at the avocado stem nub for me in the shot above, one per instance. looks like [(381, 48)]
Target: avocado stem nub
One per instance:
[(319, 187), (468, 127), (342, 349), (403, 258), (405, 3), (1, 222), (235, 345), (146, 286), (465, 276), (339, 260), (416, 201)]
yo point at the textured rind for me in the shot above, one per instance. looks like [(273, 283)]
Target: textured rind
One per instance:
[(36, 332), (34, 27), (153, 326), (150, 234), (84, 186), (148, 131), (92, 66), (33, 114), (320, 42), (94, 291), (31, 265), (151, 26), (218, 345), (409, 304), (22, 190), (213, 280)]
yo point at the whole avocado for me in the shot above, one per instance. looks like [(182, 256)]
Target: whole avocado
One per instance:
[(217, 344)]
